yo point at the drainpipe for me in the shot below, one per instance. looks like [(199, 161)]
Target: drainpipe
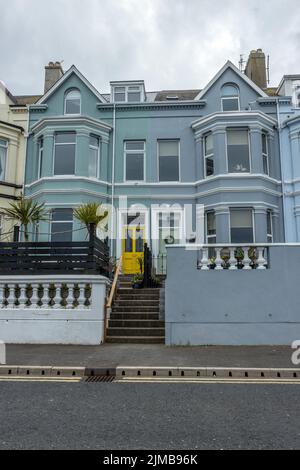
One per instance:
[(113, 182), (281, 168), (26, 144)]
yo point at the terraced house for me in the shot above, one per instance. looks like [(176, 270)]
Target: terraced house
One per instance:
[(157, 157), (13, 128)]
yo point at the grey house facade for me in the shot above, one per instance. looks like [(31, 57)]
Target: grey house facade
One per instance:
[(169, 164)]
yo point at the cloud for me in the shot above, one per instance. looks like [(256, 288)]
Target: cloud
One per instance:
[(168, 43)]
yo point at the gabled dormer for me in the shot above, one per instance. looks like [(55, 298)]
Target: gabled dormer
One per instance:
[(132, 91), (230, 90)]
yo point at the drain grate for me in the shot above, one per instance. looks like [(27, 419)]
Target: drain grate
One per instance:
[(100, 378)]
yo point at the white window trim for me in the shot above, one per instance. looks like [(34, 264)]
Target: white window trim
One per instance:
[(66, 143), (40, 151), (250, 152), (231, 98), (5, 146), (253, 220), (65, 103), (266, 155), (270, 235), (125, 152), (98, 155), (139, 89), (179, 160), (210, 155), (207, 237)]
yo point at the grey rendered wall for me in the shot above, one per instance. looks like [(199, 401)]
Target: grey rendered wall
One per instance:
[(233, 307)]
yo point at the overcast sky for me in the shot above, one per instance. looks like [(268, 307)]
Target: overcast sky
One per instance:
[(168, 43)]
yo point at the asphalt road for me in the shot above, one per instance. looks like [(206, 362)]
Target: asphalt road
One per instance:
[(148, 416)]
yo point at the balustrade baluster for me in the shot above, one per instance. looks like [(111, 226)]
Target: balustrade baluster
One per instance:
[(12, 295), (261, 261), (219, 261), (57, 296), (70, 295), (35, 296), (81, 299), (46, 295), (232, 259), (204, 263), (23, 297), (246, 260), (2, 295)]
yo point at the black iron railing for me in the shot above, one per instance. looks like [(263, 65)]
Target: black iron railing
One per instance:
[(152, 269)]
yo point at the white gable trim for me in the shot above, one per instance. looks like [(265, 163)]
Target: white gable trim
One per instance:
[(65, 77), (239, 73)]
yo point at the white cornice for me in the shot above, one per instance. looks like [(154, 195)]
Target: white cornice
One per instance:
[(222, 116), (66, 120), (230, 65)]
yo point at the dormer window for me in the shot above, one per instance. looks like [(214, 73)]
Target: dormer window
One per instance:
[(127, 93), (230, 97), (73, 102)]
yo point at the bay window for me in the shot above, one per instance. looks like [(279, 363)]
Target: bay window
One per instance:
[(3, 158), (208, 155), (241, 226), (62, 225), (94, 153), (238, 151), (64, 153)]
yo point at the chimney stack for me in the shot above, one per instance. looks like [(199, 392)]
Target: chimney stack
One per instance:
[(53, 72), (256, 68)]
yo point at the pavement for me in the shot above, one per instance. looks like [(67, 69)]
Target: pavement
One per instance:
[(113, 355), (148, 416)]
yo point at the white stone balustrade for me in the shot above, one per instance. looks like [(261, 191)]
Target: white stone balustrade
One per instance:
[(44, 295), (233, 257), (52, 309)]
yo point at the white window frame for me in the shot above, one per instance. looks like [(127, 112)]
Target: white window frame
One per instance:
[(253, 221), (127, 90), (265, 156), (1, 227), (66, 99), (207, 236), (5, 146), (270, 235), (231, 97), (54, 222), (249, 146), (40, 155), (155, 225), (210, 155), (179, 161), (134, 152), (64, 143), (98, 155)]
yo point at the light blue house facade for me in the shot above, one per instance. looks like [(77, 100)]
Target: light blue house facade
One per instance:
[(289, 115), (176, 166)]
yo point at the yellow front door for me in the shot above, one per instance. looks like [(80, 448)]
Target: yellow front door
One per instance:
[(133, 249)]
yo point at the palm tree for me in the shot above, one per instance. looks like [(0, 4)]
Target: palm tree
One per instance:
[(25, 211), (90, 215)]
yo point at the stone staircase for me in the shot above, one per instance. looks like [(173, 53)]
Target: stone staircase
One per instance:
[(135, 315)]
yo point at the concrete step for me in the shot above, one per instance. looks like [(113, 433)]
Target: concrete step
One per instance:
[(135, 308), (140, 297), (135, 332), (125, 290), (136, 323), (134, 316), (136, 339), (134, 302)]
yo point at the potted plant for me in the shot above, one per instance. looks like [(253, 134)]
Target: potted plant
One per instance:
[(25, 211), (137, 281)]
